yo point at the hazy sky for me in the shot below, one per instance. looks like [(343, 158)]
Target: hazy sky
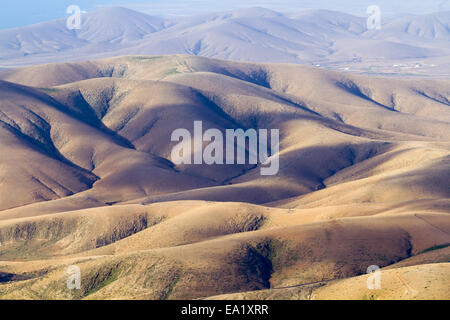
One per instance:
[(24, 12)]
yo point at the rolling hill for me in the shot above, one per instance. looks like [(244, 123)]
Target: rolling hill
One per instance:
[(87, 179)]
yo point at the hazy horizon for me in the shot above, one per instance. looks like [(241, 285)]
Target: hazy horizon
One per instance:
[(27, 12)]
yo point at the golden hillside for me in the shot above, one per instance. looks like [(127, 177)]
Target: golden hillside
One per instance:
[(87, 179)]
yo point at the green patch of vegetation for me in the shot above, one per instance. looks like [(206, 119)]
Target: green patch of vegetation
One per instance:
[(21, 287), (282, 255), (50, 89), (371, 296), (27, 241), (172, 286), (172, 72), (145, 58), (149, 272), (101, 279), (23, 250), (112, 277)]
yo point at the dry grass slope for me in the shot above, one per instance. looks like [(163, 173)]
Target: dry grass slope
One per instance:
[(87, 180)]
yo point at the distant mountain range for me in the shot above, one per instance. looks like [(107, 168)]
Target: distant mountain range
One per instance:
[(319, 37)]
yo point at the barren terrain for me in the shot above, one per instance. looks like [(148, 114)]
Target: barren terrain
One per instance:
[(86, 179)]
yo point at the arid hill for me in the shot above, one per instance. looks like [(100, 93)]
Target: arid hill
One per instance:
[(87, 179)]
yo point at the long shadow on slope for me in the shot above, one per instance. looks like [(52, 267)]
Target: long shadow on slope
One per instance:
[(258, 76), (441, 99), (256, 90), (88, 178), (308, 167), (364, 93), (10, 277), (48, 100)]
